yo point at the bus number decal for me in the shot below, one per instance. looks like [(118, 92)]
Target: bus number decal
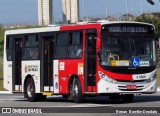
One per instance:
[(61, 67), (139, 77), (80, 68)]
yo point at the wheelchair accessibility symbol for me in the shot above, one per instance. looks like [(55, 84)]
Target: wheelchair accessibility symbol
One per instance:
[(135, 61)]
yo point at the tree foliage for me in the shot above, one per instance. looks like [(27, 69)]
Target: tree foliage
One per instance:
[(2, 30), (152, 20)]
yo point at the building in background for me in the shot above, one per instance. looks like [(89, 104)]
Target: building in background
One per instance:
[(66, 11), (70, 10), (44, 12)]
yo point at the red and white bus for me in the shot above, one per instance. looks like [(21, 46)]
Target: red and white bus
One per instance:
[(117, 59)]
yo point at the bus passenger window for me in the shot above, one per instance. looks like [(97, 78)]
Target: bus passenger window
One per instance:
[(34, 53), (61, 52), (76, 38), (31, 41), (31, 50), (61, 45), (9, 48), (75, 47), (62, 39), (9, 54), (69, 45)]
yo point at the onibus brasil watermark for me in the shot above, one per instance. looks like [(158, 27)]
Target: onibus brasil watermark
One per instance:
[(22, 110)]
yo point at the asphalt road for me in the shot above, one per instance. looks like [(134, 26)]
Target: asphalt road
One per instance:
[(143, 104)]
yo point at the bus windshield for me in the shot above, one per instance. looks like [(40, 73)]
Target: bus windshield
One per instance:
[(121, 51)]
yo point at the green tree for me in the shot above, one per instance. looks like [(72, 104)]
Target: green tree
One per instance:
[(2, 31), (152, 20)]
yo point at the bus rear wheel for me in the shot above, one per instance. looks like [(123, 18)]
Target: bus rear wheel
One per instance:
[(42, 97), (30, 91), (127, 98), (76, 91)]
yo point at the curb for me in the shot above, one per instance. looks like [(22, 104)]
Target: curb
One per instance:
[(5, 92)]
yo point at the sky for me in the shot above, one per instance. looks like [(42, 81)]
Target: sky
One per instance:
[(26, 11)]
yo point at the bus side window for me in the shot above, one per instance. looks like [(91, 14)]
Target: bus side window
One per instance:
[(61, 45), (9, 48), (31, 49), (75, 46), (69, 45)]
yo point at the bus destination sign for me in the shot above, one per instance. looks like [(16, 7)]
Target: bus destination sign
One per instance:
[(128, 28)]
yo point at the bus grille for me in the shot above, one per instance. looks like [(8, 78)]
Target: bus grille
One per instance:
[(124, 88), (130, 81)]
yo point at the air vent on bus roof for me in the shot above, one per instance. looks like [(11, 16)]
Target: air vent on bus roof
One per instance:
[(84, 22), (88, 22), (102, 21), (52, 25)]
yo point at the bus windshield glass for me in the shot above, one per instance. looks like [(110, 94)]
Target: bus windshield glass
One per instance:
[(122, 51)]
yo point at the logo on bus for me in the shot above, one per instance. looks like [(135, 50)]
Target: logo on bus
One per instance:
[(29, 68), (135, 62)]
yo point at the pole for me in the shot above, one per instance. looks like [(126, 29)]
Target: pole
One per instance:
[(141, 7), (132, 7), (84, 15), (126, 6), (106, 8)]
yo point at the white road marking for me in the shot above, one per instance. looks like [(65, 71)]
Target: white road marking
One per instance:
[(79, 105), (10, 99), (5, 92), (54, 96), (89, 105)]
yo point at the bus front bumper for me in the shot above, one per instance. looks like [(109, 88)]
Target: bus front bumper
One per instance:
[(122, 87)]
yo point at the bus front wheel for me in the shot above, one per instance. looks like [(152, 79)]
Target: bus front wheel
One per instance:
[(76, 91), (30, 90)]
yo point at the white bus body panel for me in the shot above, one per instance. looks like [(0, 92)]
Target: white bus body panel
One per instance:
[(7, 70), (56, 76), (33, 30), (121, 87), (7, 75), (31, 68)]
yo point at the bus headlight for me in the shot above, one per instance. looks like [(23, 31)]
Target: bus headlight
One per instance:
[(152, 78), (105, 77)]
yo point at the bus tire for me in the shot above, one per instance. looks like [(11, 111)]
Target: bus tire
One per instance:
[(76, 91), (42, 97), (65, 96), (127, 98), (114, 97), (30, 91)]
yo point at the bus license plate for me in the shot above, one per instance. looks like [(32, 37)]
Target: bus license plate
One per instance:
[(131, 87)]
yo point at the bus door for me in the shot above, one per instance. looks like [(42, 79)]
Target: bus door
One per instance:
[(16, 66), (47, 63), (90, 61)]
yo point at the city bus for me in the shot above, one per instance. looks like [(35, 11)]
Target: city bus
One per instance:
[(115, 59)]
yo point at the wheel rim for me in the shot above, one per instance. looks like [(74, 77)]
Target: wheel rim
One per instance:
[(75, 90), (30, 90)]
